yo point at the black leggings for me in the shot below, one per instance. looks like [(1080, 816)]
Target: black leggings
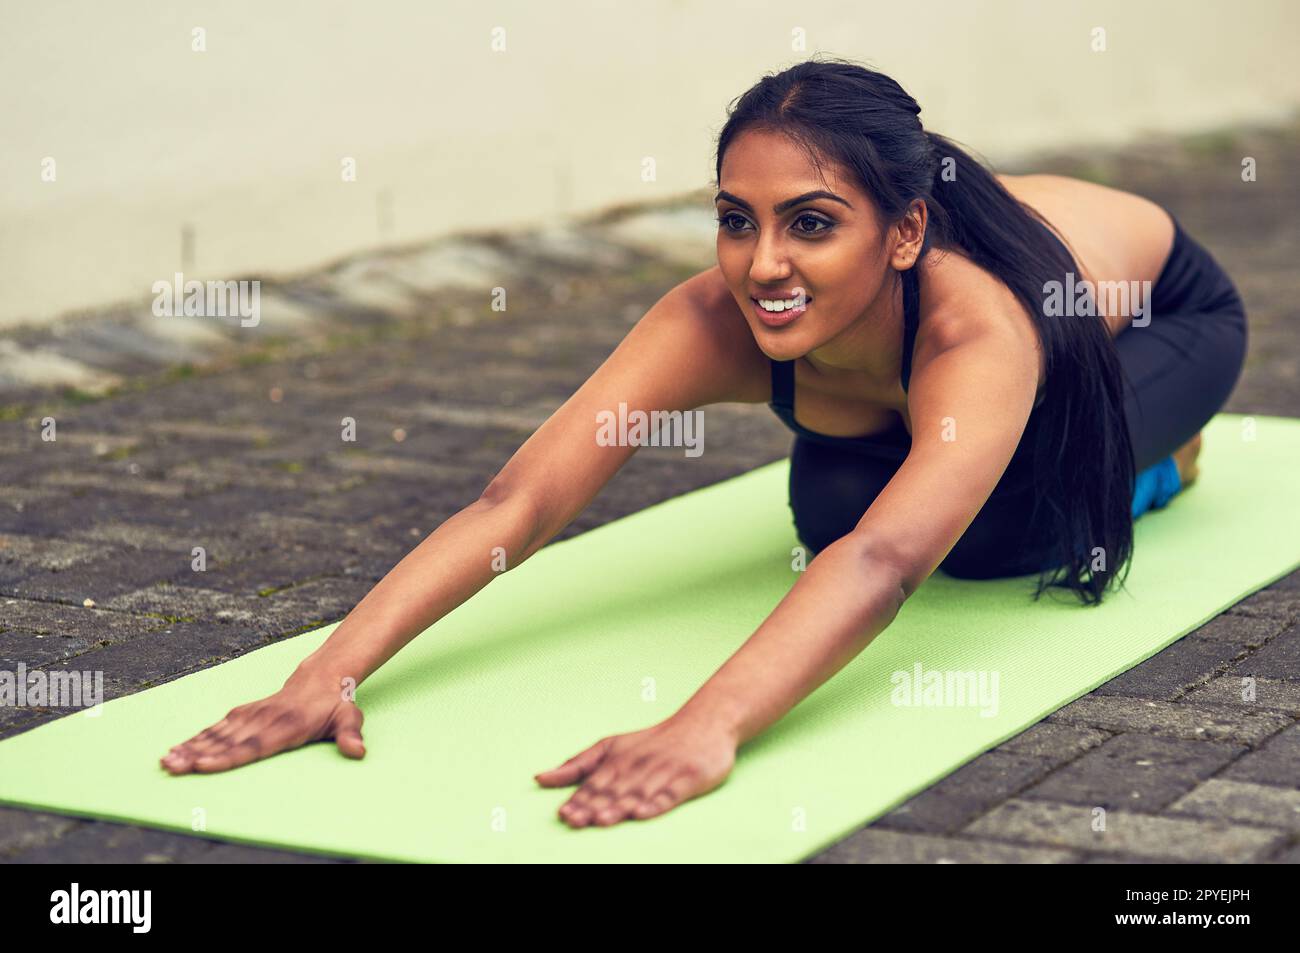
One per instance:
[(1179, 371)]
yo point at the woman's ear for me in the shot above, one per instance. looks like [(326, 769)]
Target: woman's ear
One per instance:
[(911, 235)]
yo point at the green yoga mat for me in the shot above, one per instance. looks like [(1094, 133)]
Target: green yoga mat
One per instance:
[(612, 630)]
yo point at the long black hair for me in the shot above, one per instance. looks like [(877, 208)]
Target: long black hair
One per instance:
[(1083, 464)]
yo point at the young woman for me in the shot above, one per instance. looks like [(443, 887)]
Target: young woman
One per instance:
[(901, 309)]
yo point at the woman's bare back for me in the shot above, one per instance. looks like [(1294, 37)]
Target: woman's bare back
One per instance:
[(1115, 236)]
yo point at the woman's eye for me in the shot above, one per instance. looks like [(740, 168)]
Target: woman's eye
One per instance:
[(725, 220), (815, 221)]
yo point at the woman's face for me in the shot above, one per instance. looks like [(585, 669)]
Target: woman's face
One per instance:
[(784, 232)]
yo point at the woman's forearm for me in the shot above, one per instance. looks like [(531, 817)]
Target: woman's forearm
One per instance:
[(843, 600), (455, 561)]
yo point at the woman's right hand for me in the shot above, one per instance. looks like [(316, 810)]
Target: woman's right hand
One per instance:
[(307, 709)]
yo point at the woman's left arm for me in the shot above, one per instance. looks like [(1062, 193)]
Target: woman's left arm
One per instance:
[(969, 406)]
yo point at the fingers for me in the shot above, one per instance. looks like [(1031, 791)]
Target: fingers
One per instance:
[(186, 758), (614, 785), (655, 806), (181, 756), (347, 732), (632, 798), (616, 809), (576, 768), (672, 794), (232, 756), (246, 737), (207, 734), (594, 805)]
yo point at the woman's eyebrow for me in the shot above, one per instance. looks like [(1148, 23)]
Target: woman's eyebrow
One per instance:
[(781, 207)]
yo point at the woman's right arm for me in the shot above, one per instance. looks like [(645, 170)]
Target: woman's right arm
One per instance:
[(689, 350)]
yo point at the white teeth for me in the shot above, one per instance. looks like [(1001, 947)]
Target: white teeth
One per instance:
[(779, 305)]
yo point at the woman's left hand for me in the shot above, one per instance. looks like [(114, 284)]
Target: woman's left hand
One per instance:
[(644, 773)]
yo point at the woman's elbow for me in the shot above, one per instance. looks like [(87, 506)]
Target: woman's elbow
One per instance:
[(880, 561)]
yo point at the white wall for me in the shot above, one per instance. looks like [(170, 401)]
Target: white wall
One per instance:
[(244, 141)]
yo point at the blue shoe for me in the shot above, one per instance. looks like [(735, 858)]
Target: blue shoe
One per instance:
[(1156, 486)]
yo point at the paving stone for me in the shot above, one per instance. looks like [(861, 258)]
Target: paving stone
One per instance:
[(65, 621), (1129, 859), (875, 846), (328, 598), (1248, 631), (119, 534), (73, 511), (116, 483), (378, 464), (1276, 762), (33, 650), (1289, 854), (226, 853), (305, 476), (1177, 720), (1271, 603), (1057, 744), (1225, 799), (162, 656), (1134, 771), (266, 572), (100, 580), (377, 499), (258, 532), (1169, 673), (17, 501), (966, 793), (1045, 823), (523, 420), (107, 843), (1291, 582), (23, 556), (221, 546), (207, 605), (14, 720), (213, 509), (21, 830), (386, 539), (209, 431), (98, 444), (1228, 690), (1279, 659)]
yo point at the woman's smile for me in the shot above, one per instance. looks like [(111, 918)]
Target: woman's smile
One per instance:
[(787, 309), (778, 319)]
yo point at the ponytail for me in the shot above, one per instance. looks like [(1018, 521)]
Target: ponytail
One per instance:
[(1084, 468)]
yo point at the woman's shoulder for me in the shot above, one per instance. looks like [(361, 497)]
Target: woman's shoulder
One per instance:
[(960, 300), (712, 305)]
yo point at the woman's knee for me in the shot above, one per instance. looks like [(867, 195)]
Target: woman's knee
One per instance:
[(1183, 373), (1227, 339), (1237, 345)]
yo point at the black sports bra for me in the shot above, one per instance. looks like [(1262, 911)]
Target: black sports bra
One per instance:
[(782, 402), (897, 436)]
